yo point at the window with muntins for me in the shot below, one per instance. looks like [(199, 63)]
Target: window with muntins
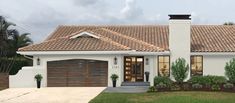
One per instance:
[(164, 65), (196, 65)]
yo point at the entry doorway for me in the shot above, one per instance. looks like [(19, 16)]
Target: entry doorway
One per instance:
[(133, 68)]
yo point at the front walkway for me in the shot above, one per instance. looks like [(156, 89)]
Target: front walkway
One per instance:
[(50, 95), (127, 89)]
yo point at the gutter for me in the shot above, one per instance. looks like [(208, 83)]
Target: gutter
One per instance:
[(130, 52), (213, 53)]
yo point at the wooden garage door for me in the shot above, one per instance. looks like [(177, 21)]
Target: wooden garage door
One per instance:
[(77, 73)]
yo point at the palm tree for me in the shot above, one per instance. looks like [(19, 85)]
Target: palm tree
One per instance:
[(4, 31), (17, 41), (6, 62)]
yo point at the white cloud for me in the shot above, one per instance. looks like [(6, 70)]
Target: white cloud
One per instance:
[(40, 17), (131, 10), (86, 2), (198, 18)]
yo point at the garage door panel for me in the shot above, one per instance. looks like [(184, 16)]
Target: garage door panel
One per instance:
[(60, 82), (77, 72)]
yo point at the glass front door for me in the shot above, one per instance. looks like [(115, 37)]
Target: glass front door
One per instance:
[(133, 69)]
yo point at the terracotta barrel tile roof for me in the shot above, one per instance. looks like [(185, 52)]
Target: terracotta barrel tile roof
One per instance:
[(78, 44), (150, 38)]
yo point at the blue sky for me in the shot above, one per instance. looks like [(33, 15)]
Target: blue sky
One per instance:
[(41, 17)]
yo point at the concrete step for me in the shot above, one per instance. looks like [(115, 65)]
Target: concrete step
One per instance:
[(127, 89), (135, 84)]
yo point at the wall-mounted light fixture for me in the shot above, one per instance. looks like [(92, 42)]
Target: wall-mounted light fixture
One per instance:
[(115, 61), (38, 61), (147, 61)]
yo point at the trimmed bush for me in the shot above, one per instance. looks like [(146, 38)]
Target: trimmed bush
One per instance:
[(215, 87), (186, 87), (199, 79), (164, 80), (180, 70), (161, 85), (228, 86), (230, 70), (197, 86), (175, 87), (208, 80), (217, 80)]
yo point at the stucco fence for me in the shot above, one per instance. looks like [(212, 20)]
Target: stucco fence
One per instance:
[(25, 78), (4, 81)]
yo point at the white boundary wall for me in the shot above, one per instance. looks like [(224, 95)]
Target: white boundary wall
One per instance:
[(25, 78)]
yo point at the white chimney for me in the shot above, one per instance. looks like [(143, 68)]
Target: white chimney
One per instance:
[(179, 36)]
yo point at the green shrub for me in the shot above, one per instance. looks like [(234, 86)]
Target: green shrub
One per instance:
[(207, 80), (38, 77), (215, 87), (230, 70), (175, 87), (217, 80), (186, 87), (19, 63), (151, 89), (198, 79), (180, 70), (228, 86), (161, 85), (165, 80), (114, 77), (197, 86)]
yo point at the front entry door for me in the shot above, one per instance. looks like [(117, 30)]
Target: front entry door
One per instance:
[(133, 68)]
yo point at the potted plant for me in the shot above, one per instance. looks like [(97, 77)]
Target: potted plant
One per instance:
[(38, 78), (146, 76), (114, 78)]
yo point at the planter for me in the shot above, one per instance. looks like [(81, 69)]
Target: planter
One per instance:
[(38, 84), (114, 83), (147, 76), (38, 78), (114, 77)]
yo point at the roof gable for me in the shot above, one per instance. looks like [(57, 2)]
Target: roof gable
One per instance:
[(84, 34)]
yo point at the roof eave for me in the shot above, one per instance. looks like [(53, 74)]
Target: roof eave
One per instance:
[(129, 52)]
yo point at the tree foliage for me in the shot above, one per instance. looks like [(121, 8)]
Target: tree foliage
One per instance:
[(10, 42), (230, 70), (228, 23), (180, 70)]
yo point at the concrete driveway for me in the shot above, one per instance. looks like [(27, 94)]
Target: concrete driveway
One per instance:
[(50, 95)]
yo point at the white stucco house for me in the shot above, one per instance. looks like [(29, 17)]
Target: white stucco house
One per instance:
[(87, 55)]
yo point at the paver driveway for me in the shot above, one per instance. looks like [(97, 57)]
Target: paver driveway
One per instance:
[(50, 95)]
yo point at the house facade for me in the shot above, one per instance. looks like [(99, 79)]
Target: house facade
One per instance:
[(88, 55)]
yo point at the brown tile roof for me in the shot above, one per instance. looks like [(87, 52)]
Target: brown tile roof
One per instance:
[(78, 44), (213, 38), (152, 38)]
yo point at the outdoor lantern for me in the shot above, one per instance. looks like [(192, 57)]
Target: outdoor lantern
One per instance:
[(147, 61), (115, 61), (38, 61)]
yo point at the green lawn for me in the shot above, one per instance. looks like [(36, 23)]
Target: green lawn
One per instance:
[(166, 97)]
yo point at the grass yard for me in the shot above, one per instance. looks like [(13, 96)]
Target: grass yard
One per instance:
[(166, 97)]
